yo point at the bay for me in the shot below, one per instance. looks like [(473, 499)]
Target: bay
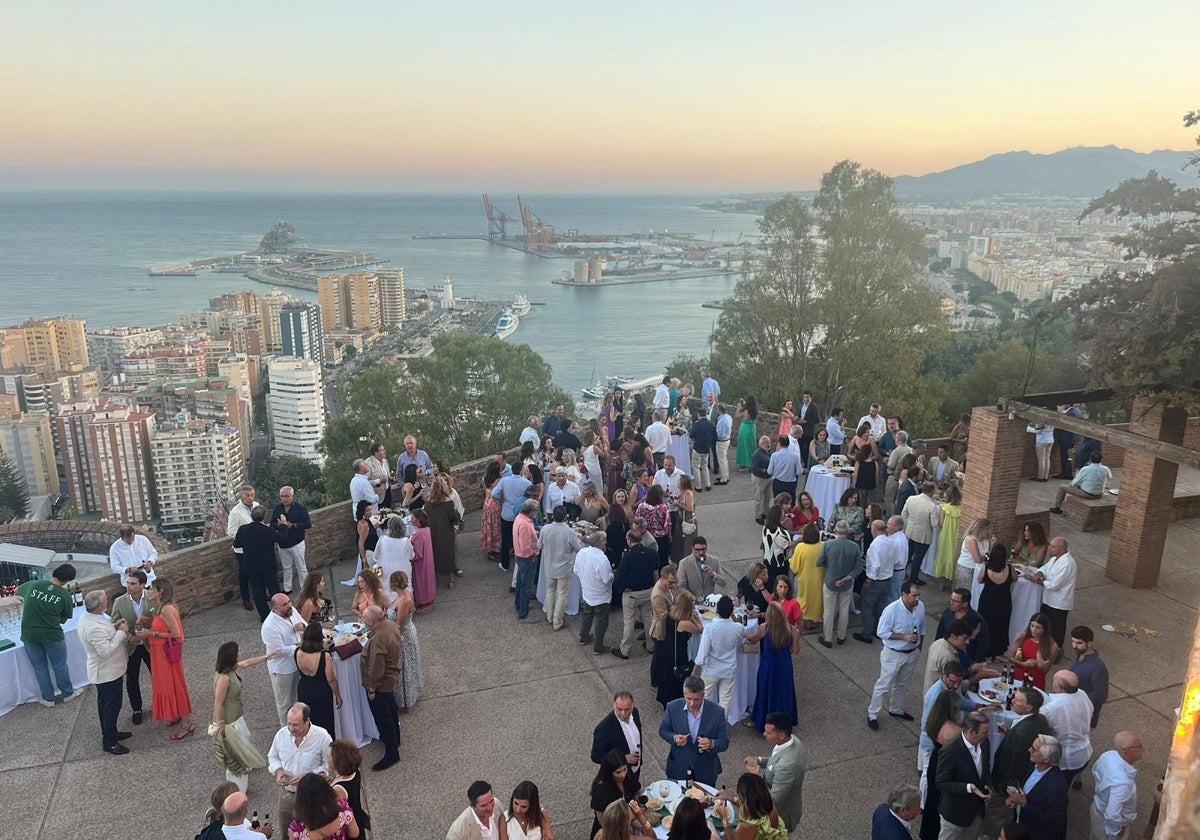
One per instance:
[(87, 255)]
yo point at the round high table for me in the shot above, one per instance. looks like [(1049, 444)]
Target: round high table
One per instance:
[(353, 720), (573, 596), (826, 489), (19, 685), (680, 448), (1026, 602), (745, 682)]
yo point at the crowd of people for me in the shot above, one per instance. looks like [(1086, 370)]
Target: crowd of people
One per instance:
[(609, 507)]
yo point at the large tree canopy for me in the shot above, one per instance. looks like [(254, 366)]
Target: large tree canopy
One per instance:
[(14, 495), (470, 398)]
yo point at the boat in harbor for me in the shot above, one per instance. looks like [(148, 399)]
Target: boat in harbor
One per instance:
[(521, 306), (507, 324), (596, 392)]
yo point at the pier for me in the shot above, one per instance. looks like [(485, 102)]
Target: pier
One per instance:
[(657, 277)]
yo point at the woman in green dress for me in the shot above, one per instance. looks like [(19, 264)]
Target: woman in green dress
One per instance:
[(946, 557), (747, 440), (757, 817)]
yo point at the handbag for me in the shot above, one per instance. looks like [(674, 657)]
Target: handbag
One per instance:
[(688, 525), (681, 672), (173, 649), (350, 648)]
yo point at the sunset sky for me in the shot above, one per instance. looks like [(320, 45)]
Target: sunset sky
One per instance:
[(662, 95)]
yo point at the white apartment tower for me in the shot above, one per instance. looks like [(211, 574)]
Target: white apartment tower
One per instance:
[(296, 407), (391, 295), (196, 466)]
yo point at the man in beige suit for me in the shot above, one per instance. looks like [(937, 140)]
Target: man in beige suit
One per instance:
[(783, 770), (920, 514), (942, 469), (107, 658), (662, 596), (481, 818), (137, 610)]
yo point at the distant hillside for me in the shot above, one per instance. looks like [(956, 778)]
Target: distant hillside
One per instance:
[(1083, 171)]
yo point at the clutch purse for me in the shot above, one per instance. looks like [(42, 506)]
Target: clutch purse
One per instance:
[(351, 648)]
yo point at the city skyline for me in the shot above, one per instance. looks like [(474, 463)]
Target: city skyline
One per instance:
[(645, 98)]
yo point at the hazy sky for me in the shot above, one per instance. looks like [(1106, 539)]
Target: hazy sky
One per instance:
[(565, 95)]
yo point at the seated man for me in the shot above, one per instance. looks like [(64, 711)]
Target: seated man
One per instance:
[(1089, 483)]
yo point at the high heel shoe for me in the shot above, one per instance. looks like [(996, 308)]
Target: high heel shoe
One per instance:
[(179, 736)]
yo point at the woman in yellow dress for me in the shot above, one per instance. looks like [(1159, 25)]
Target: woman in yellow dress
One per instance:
[(809, 578), (946, 557)]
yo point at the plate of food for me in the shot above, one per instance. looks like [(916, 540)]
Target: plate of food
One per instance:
[(655, 804), (354, 628), (708, 615), (665, 790), (666, 823), (702, 796)]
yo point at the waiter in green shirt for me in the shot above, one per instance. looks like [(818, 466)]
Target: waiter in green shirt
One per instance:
[(47, 607)]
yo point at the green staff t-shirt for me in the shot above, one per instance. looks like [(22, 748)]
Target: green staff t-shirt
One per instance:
[(47, 606)]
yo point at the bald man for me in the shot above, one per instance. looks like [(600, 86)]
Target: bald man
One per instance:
[(760, 479), (380, 671), (1057, 579), (1069, 713), (1114, 805), (281, 631), (235, 826)]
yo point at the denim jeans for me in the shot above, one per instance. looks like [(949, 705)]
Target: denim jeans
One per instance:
[(525, 567), (46, 655), (874, 599)]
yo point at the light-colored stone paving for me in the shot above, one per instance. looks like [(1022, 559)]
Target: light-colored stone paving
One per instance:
[(507, 701)]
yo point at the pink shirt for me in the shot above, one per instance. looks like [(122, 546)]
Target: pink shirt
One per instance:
[(525, 537)]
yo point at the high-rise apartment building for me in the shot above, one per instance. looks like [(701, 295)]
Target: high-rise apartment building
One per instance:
[(365, 307), (106, 347), (296, 407), (60, 343), (300, 326), (272, 304), (106, 460), (196, 466), (356, 301), (332, 292), (393, 307), (27, 440)]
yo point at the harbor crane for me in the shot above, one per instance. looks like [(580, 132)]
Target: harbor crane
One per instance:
[(538, 234), (497, 220)]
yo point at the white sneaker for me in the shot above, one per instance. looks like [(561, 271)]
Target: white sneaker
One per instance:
[(49, 704), (74, 695)]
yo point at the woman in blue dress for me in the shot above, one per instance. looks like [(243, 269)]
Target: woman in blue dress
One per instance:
[(776, 677)]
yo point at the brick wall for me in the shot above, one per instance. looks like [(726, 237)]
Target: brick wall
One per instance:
[(993, 477)]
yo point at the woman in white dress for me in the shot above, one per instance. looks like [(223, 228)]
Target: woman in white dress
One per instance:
[(394, 552), (975, 547), (591, 462), (527, 819)]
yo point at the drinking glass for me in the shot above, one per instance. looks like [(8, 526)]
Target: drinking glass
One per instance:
[(664, 790)]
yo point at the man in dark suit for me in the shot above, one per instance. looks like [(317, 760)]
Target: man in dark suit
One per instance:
[(1042, 801), (964, 780), (697, 732), (621, 730), (891, 819), (809, 418), (257, 542), (1010, 764)]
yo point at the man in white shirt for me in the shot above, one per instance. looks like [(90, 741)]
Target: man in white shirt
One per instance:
[(1057, 579), (877, 588), (837, 435), (234, 825), (658, 435), (668, 479), (361, 489), (662, 395), (595, 582), (716, 661), (132, 551), (530, 433), (899, 552), (299, 748), (379, 473), (875, 419), (1069, 713), (561, 491), (1114, 806), (281, 631), (902, 629), (239, 516), (107, 658), (480, 820)]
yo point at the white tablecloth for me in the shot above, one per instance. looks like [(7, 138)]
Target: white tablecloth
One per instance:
[(680, 448), (826, 489), (353, 721), (1026, 602), (995, 736), (745, 683), (573, 595), (18, 684)]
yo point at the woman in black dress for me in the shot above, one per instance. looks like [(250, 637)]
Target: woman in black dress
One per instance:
[(318, 686), (753, 587), (943, 726), (995, 601), (680, 623), (610, 785)]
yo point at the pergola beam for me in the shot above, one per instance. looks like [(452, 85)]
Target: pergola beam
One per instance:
[(1129, 441)]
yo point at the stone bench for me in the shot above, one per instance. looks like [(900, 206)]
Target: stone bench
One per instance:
[(1090, 514)]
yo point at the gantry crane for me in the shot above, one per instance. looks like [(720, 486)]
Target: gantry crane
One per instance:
[(497, 220), (538, 234)]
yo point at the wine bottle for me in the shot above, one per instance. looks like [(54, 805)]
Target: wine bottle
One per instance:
[(254, 823), (1008, 701), (690, 777)]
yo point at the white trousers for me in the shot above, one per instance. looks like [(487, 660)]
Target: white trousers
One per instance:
[(284, 686), (557, 590), (723, 459), (719, 690), (292, 560), (895, 670)]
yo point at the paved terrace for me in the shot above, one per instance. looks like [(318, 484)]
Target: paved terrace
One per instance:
[(507, 701)]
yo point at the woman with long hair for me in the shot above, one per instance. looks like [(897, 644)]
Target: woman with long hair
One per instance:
[(213, 822), (757, 817), (679, 624), (412, 678), (776, 543), (866, 462), (786, 418), (610, 785), (805, 512), (946, 551), (619, 819), (489, 528), (995, 599), (658, 521), (368, 537), (689, 823), (943, 726), (443, 519), (547, 456), (1032, 547), (782, 594), (593, 465), (228, 712), (413, 488), (318, 685), (424, 578), (754, 587), (818, 448), (345, 766), (637, 417), (528, 453), (686, 505), (975, 547), (747, 438), (172, 703), (321, 811), (776, 676), (312, 604), (593, 507), (528, 819), (810, 578), (1034, 651)]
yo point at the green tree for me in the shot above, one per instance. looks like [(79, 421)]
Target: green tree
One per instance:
[(289, 470), (470, 398), (14, 495), (997, 372)]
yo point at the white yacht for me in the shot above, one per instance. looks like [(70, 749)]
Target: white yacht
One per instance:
[(507, 324), (521, 306)]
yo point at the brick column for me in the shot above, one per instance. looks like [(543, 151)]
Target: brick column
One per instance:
[(993, 477), (1144, 507)]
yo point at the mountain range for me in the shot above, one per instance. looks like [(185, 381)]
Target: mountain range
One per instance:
[(1082, 171)]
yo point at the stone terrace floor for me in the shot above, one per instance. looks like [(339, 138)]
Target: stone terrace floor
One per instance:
[(507, 701)]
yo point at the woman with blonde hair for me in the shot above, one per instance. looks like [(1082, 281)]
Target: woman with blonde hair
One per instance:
[(975, 547), (679, 624), (566, 458), (593, 461), (618, 820), (776, 676), (593, 507), (945, 559), (443, 519), (412, 679)]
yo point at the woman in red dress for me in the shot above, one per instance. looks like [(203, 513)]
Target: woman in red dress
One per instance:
[(805, 512), (171, 700), (424, 576), (783, 596), (1034, 651)]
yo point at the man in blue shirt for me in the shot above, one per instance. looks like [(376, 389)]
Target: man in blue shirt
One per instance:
[(952, 679), (784, 468), (716, 660), (412, 455), (1089, 483), (837, 435), (724, 430), (709, 386), (902, 630), (510, 493)]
